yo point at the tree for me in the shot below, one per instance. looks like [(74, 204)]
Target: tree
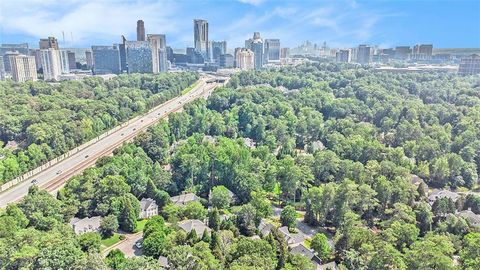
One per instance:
[(386, 256), (424, 217), (214, 219), (320, 245), (432, 252), (194, 210), (108, 226), (115, 259), (470, 252), (261, 203), (128, 216), (288, 217), (155, 244), (246, 220), (220, 197), (89, 242)]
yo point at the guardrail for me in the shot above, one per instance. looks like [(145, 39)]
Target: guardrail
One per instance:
[(77, 149)]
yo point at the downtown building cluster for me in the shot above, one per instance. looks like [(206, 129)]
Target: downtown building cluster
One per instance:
[(149, 53)]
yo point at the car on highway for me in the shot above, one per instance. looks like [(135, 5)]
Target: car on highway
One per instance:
[(138, 244), (134, 129), (59, 171), (34, 182), (86, 156)]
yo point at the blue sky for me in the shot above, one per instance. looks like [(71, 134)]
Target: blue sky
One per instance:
[(340, 23)]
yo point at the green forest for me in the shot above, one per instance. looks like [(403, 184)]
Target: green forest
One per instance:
[(47, 120), (346, 156)]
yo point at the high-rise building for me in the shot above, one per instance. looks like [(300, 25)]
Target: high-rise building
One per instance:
[(195, 56), (64, 63), (470, 65), (139, 56), (245, 59), (272, 50), (255, 44), (218, 48), (6, 60), (51, 64), (72, 63), (21, 48), (343, 56), (48, 43), (226, 61), (2, 69), (89, 59), (158, 46), (284, 53), (140, 30), (363, 54), (123, 55), (422, 52), (106, 59), (23, 68), (200, 37), (402, 52)]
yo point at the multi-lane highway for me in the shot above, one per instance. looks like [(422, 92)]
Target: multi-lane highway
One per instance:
[(53, 177)]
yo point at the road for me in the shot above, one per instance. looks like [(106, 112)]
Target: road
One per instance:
[(128, 245), (53, 177)]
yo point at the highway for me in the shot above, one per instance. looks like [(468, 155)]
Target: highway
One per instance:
[(53, 177)]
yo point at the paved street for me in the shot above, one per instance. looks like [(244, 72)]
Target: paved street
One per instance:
[(55, 176), (128, 245)]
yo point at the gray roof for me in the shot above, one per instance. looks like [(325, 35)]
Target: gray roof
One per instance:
[(249, 142), (163, 262), (443, 193), (193, 224), (146, 203), (330, 265), (183, 199), (415, 179), (265, 227), (471, 217), (86, 224), (309, 253), (292, 239)]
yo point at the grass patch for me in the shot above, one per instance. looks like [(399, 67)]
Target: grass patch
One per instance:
[(141, 225), (188, 89), (107, 242)]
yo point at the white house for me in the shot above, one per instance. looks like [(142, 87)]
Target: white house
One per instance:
[(148, 208), (86, 224)]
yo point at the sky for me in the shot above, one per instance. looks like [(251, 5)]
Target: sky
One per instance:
[(340, 23)]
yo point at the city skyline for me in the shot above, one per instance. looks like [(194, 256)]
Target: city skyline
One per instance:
[(342, 25)]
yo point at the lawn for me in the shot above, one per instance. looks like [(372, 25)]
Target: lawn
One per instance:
[(141, 225), (188, 89), (111, 240)]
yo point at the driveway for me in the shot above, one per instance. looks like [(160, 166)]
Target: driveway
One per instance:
[(127, 246)]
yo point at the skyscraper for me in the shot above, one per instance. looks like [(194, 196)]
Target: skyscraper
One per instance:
[(256, 45), (106, 59), (23, 68), (284, 53), (139, 56), (140, 30), (72, 63), (51, 63), (470, 65), (363, 54), (343, 56), (226, 61), (21, 48), (6, 60), (272, 50), (2, 69), (48, 43), (158, 46), (402, 52), (200, 37), (218, 48), (123, 55), (89, 59), (245, 59), (422, 52)]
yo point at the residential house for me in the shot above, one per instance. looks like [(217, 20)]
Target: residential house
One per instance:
[(472, 218), (442, 193), (309, 253), (292, 239), (148, 208), (265, 227), (163, 262), (183, 199), (416, 180), (85, 225), (194, 224)]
